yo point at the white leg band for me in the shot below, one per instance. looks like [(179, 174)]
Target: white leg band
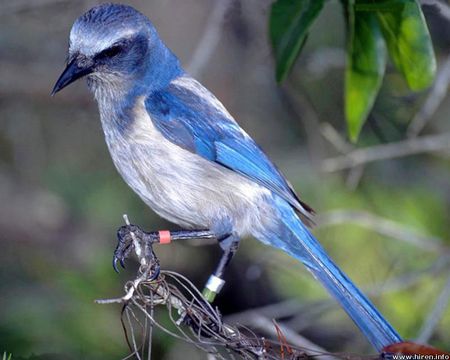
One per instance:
[(215, 284)]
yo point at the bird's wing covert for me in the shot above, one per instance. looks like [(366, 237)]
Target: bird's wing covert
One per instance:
[(191, 117)]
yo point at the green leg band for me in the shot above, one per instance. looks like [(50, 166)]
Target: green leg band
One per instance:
[(212, 288)]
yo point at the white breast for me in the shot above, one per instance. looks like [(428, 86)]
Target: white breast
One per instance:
[(179, 185)]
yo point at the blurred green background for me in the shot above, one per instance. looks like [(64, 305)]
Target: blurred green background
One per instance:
[(61, 200)]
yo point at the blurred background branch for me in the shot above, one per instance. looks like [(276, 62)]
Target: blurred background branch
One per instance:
[(423, 144), (435, 315), (385, 227), (210, 38), (435, 97)]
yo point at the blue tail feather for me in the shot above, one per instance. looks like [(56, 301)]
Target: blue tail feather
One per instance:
[(297, 241)]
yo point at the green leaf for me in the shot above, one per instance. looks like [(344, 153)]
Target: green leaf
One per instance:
[(379, 5), (365, 69), (408, 40), (288, 26)]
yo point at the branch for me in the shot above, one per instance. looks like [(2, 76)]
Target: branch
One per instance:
[(331, 134), (210, 38), (435, 315), (193, 318), (276, 310), (435, 97), (424, 144), (382, 226), (301, 107), (267, 325), (440, 266)]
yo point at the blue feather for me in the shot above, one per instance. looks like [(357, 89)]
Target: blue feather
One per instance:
[(184, 117), (294, 238)]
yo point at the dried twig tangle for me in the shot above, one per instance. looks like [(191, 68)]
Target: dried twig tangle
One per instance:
[(195, 321)]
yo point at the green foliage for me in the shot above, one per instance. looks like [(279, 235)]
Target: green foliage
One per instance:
[(408, 42), (6, 356), (372, 25), (289, 25), (365, 70)]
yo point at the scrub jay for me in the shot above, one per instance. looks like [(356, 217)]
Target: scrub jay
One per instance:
[(181, 151)]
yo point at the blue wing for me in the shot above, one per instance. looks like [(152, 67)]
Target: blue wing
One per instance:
[(191, 117)]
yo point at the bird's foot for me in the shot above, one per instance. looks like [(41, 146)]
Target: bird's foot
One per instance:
[(126, 236)]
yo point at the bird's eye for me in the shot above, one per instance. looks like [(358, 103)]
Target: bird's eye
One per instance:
[(110, 52)]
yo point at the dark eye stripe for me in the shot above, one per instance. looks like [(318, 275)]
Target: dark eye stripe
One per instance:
[(110, 52)]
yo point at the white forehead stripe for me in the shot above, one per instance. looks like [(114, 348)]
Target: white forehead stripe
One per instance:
[(87, 41)]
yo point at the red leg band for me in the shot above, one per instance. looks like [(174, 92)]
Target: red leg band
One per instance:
[(164, 236)]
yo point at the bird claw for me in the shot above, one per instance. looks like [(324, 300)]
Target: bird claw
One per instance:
[(120, 256), (125, 244)]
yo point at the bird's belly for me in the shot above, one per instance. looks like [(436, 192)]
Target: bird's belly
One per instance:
[(189, 190), (183, 187)]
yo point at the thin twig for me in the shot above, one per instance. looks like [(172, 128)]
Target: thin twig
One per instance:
[(440, 266), (310, 348), (382, 226), (331, 134), (436, 96), (435, 315), (210, 38), (298, 102), (277, 310), (334, 138), (424, 144)]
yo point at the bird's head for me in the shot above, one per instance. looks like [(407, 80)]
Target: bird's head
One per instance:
[(111, 44)]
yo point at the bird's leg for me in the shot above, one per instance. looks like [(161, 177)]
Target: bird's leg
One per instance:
[(126, 245), (215, 282)]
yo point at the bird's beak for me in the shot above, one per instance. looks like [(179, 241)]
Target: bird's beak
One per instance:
[(72, 72)]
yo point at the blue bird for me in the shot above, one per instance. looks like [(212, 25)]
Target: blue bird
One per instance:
[(181, 151)]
